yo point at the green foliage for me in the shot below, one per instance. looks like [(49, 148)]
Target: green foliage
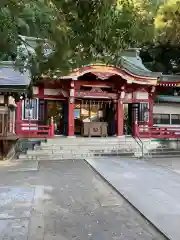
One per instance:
[(25, 17), (163, 58), (163, 54), (98, 31), (167, 22), (80, 32)]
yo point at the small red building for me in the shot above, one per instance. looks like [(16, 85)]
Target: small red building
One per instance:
[(13, 83), (100, 100)]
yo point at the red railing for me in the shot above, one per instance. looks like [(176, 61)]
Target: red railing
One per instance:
[(26, 129), (34, 129), (146, 131)]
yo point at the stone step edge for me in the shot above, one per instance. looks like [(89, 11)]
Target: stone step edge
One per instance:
[(73, 156), (87, 144), (78, 153)]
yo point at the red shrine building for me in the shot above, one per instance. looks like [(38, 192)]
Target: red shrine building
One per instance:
[(100, 100)]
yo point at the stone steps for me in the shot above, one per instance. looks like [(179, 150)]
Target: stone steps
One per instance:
[(88, 140), (77, 151), (86, 148), (80, 148), (72, 156), (87, 144), (166, 153), (163, 149)]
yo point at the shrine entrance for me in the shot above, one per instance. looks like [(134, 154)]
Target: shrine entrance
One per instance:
[(95, 114), (135, 112), (55, 110)]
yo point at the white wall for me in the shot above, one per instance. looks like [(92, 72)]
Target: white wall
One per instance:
[(141, 95), (54, 92), (167, 108)]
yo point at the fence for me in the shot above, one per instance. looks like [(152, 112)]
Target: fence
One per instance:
[(143, 130), (25, 129)]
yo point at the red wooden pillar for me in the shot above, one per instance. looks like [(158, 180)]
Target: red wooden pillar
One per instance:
[(18, 121), (70, 118), (136, 129), (51, 132), (120, 118), (150, 110), (71, 110)]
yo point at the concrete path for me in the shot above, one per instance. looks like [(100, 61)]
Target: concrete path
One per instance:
[(172, 164), (18, 166), (66, 200), (154, 189)]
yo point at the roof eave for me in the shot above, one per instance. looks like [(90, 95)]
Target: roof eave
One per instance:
[(8, 88)]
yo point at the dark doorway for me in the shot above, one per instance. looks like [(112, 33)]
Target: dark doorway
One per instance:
[(131, 112), (134, 112), (54, 108)]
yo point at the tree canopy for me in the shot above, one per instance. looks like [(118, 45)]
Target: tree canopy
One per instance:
[(80, 32), (167, 22), (26, 17), (163, 54), (96, 31)]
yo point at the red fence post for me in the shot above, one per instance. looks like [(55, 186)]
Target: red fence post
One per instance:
[(136, 129), (52, 127), (18, 119), (71, 117), (120, 118), (151, 102)]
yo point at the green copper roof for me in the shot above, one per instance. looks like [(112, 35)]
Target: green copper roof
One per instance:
[(131, 61)]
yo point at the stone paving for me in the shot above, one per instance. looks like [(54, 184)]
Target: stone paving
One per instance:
[(18, 166), (66, 200), (153, 187), (172, 164)]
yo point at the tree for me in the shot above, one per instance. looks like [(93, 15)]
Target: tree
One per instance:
[(143, 29), (31, 18), (167, 22), (163, 54), (99, 31), (163, 58), (79, 31)]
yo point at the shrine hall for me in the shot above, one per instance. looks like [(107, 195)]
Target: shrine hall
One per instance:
[(99, 100)]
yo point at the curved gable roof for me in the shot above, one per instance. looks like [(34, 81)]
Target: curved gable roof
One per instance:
[(131, 69), (103, 72)]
